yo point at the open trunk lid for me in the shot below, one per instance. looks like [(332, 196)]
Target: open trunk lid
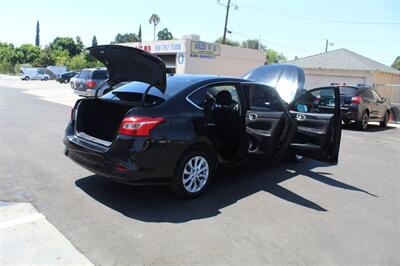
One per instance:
[(288, 80), (131, 64)]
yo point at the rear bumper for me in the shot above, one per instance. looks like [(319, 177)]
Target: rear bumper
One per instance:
[(350, 114), (139, 167)]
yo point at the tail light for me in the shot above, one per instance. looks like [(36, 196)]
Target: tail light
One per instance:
[(90, 84), (139, 126), (356, 99)]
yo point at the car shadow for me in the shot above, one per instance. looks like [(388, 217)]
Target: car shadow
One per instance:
[(157, 204), (370, 128)]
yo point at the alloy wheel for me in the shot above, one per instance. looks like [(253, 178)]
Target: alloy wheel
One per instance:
[(195, 174)]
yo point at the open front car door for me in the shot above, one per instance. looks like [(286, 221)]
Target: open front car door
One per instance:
[(317, 115), (268, 127)]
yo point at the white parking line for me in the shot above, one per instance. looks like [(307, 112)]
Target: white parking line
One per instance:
[(23, 220)]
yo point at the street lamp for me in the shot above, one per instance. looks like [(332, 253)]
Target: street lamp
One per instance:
[(228, 6)]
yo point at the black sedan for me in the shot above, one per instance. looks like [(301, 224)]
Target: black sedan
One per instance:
[(66, 77), (176, 130)]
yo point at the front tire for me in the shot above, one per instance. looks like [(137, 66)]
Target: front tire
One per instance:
[(45, 78), (66, 81), (385, 120), (192, 174)]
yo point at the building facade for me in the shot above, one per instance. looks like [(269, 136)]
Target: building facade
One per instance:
[(344, 66), (192, 56)]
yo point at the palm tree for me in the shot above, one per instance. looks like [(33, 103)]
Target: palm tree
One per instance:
[(155, 19)]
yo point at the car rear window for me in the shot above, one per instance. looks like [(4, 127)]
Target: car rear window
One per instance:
[(348, 91), (99, 74)]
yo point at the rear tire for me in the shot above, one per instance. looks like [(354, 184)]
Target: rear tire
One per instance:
[(385, 120), (45, 78), (363, 123), (193, 174), (66, 81)]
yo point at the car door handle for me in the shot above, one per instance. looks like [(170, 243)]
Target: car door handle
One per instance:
[(300, 117), (253, 116)]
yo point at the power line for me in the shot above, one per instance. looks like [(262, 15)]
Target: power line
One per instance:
[(325, 20), (275, 43), (319, 39)]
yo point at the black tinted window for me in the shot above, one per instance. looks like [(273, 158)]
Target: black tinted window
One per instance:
[(315, 101), (348, 91), (263, 97), (198, 97), (99, 74)]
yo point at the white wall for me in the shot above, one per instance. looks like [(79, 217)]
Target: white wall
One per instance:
[(232, 61)]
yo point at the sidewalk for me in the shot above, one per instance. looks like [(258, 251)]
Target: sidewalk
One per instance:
[(27, 237)]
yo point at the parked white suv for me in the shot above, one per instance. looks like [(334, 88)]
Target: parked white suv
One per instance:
[(33, 73)]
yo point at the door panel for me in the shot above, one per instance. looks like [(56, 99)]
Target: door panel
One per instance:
[(317, 114), (265, 120)]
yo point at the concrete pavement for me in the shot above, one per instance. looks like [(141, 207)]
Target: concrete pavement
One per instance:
[(302, 214)]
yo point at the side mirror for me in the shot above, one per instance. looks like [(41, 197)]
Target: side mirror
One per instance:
[(384, 99)]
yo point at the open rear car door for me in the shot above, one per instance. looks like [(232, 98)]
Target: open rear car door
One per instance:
[(317, 115)]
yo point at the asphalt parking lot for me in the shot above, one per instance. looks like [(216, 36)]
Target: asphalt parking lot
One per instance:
[(308, 213)]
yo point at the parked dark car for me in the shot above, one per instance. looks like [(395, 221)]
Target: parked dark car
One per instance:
[(88, 79), (362, 104), (177, 129), (66, 77)]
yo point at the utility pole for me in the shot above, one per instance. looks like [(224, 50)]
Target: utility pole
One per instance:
[(326, 46), (228, 6)]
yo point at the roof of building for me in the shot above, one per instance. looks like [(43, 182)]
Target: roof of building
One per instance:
[(342, 59)]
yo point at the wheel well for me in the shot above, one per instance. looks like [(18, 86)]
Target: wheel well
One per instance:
[(203, 146), (367, 111)]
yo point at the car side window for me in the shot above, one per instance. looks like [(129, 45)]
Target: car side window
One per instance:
[(376, 95), (315, 101), (85, 74), (198, 97), (262, 97)]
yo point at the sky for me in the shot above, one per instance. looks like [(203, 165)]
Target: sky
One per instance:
[(295, 28)]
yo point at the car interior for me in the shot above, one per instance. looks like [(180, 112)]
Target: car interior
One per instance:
[(222, 109)]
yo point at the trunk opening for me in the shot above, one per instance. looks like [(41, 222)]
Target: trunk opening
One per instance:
[(98, 119)]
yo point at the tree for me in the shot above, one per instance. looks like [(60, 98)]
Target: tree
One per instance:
[(155, 20), (27, 53), (127, 37), (8, 58), (253, 44), (227, 41), (68, 44), (273, 57), (164, 35), (140, 33), (94, 41), (396, 63), (37, 39), (44, 59), (79, 44)]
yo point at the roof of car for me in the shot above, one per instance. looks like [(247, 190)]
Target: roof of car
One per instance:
[(195, 78), (95, 68)]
